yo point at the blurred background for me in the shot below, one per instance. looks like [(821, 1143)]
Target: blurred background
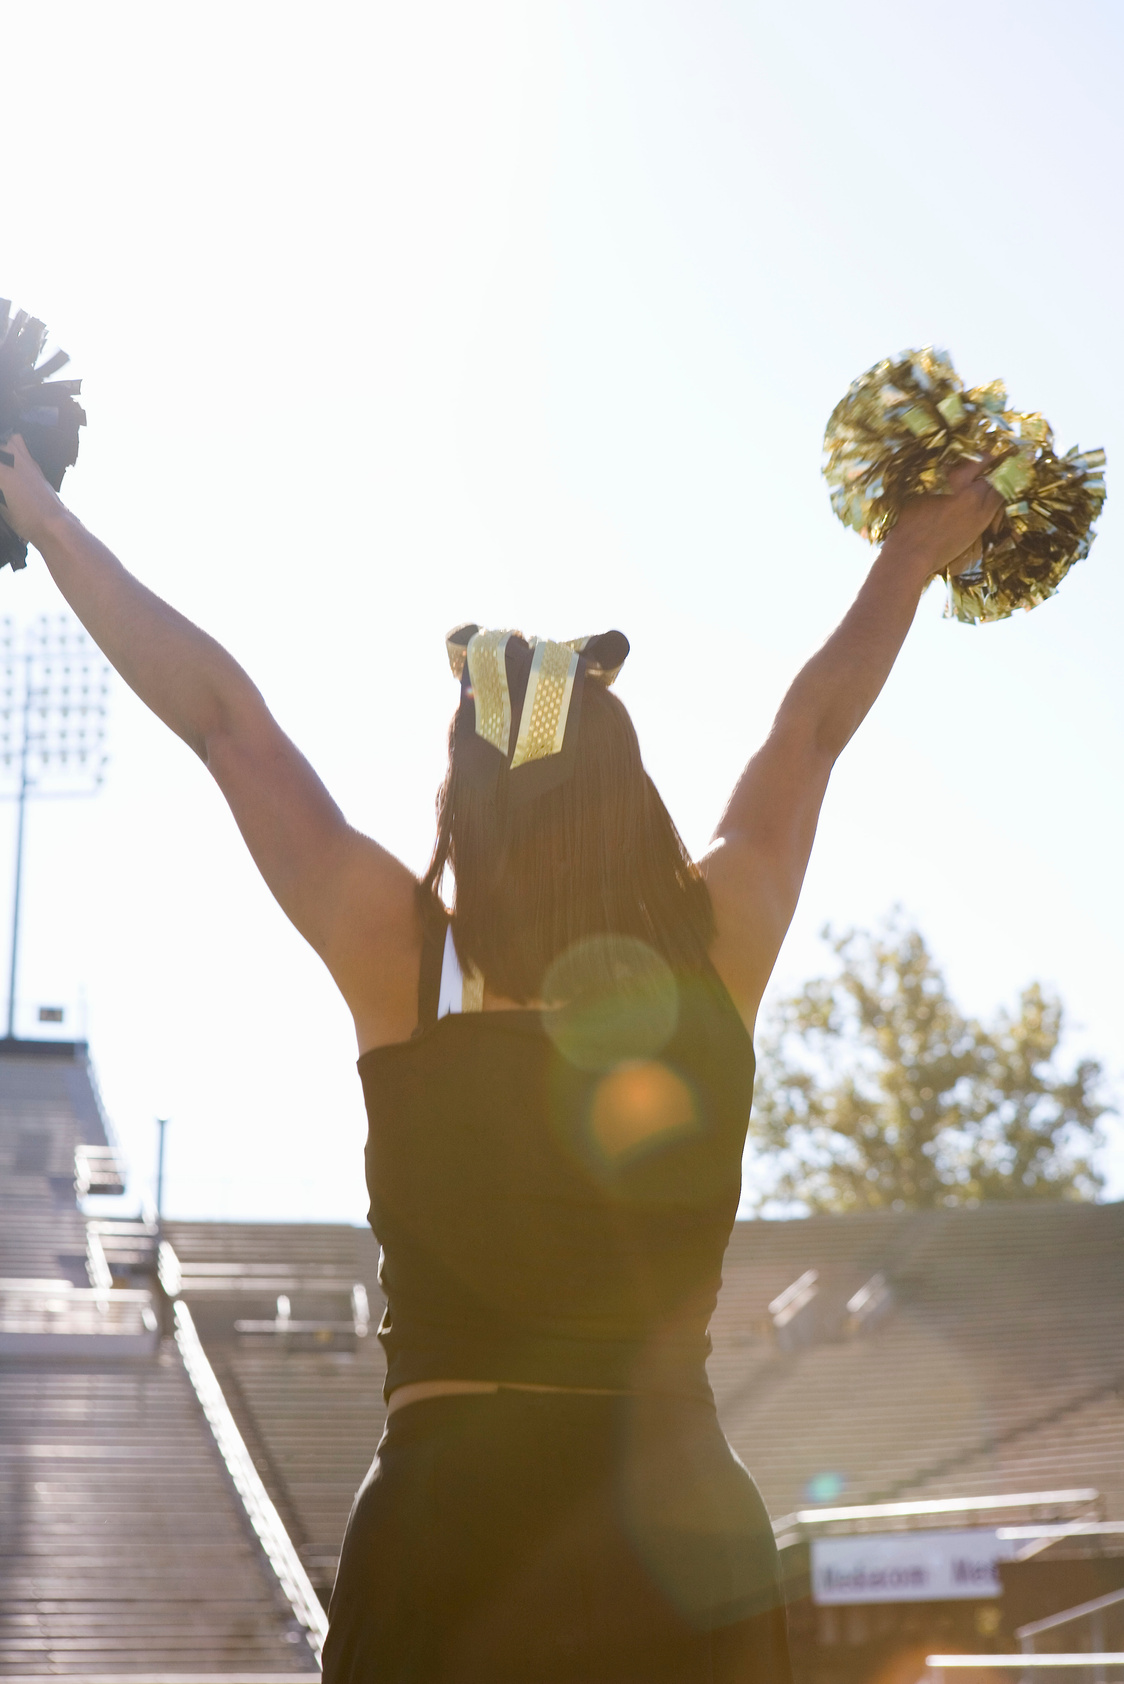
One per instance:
[(395, 317)]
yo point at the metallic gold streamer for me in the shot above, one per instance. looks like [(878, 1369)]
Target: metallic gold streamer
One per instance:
[(909, 419), (487, 670), (546, 705)]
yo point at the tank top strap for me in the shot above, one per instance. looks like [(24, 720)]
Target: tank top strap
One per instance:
[(435, 926)]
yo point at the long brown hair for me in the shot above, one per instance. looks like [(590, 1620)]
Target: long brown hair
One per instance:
[(596, 855)]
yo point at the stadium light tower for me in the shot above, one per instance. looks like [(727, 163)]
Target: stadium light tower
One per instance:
[(54, 696)]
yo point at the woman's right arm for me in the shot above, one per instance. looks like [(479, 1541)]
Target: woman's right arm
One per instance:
[(352, 900), (756, 863)]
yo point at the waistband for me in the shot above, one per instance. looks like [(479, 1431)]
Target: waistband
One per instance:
[(674, 1367)]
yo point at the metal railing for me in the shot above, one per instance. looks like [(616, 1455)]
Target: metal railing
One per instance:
[(147, 1677), (266, 1279), (859, 1517), (97, 1169), (57, 1307), (789, 1303), (256, 1501), (869, 1304), (1093, 1611), (1084, 1668), (284, 1322), (128, 1244), (97, 1264), (1042, 1536)]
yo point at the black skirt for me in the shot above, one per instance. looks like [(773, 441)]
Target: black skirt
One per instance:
[(545, 1538)]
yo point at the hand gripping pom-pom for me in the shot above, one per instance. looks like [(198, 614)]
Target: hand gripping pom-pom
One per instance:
[(909, 419), (44, 412)]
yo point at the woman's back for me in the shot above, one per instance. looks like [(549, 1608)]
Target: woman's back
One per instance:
[(553, 1191)]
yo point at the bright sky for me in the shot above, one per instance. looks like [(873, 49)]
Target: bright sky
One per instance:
[(393, 317)]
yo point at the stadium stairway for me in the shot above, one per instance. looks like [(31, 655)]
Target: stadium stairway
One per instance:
[(123, 1546), (125, 1550)]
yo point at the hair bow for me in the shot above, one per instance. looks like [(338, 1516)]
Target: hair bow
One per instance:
[(521, 701)]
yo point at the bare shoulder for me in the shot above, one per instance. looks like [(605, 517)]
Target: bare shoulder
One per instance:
[(351, 899)]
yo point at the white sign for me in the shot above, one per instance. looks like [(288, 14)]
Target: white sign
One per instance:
[(908, 1566)]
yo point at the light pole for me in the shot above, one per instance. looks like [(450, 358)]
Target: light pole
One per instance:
[(54, 694), (161, 1124)]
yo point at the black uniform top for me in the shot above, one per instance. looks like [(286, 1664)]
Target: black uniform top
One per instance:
[(553, 1191)]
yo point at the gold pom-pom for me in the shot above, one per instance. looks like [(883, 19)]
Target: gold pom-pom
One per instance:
[(909, 419)]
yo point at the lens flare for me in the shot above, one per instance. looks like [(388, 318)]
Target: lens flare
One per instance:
[(639, 1105)]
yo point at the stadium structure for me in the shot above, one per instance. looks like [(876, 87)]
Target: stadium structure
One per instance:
[(932, 1403)]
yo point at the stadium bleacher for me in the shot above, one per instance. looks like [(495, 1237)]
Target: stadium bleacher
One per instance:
[(1000, 1333)]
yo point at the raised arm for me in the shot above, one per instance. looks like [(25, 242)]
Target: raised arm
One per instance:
[(755, 866), (347, 896)]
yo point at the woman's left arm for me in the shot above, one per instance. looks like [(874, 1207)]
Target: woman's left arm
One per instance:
[(756, 863)]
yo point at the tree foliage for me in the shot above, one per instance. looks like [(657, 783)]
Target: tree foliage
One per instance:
[(875, 1090)]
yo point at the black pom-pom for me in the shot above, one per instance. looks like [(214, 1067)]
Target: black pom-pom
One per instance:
[(46, 413)]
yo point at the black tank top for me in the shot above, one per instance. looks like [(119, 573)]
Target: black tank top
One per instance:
[(553, 1191)]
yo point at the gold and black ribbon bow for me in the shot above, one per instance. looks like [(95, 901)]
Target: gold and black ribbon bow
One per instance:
[(521, 702)]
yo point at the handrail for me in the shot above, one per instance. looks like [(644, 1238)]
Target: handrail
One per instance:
[(874, 1296), (1040, 1537), (168, 1271), (937, 1505), (230, 1266), (1063, 1529), (792, 1300), (59, 1298), (123, 1225), (282, 1327), (79, 1295), (25, 1287), (97, 1264), (939, 1663), (59, 1311), (283, 1323), (1024, 1633), (263, 1516), (97, 1165), (278, 1280)]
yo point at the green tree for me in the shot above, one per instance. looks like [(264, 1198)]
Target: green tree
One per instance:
[(875, 1090)]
